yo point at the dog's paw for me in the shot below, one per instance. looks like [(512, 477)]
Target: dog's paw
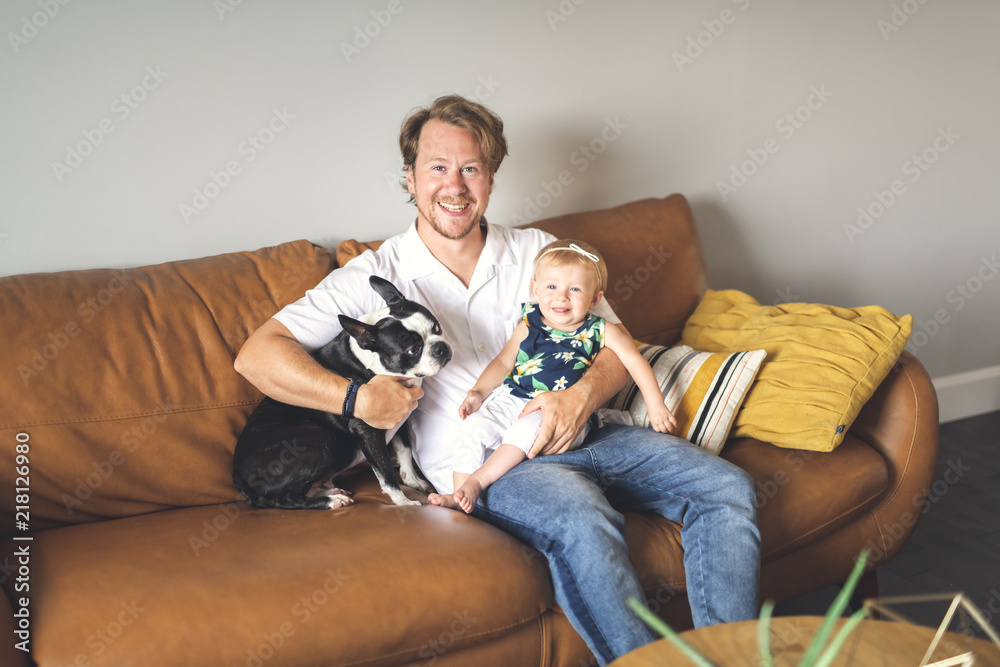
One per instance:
[(337, 501), (398, 497), (418, 483)]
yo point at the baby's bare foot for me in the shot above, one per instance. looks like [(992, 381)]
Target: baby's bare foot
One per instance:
[(468, 494), (443, 500)]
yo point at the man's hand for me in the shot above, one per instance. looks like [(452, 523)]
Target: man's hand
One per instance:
[(563, 416), (385, 401), (564, 413)]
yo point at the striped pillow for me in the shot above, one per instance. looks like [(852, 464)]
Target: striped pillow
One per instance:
[(703, 390)]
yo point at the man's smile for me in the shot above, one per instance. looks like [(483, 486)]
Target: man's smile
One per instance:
[(454, 208)]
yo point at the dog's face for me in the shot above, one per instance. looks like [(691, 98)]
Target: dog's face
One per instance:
[(403, 338)]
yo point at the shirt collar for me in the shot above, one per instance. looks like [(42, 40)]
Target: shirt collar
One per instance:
[(416, 261)]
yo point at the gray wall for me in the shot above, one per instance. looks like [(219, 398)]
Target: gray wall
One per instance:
[(779, 120)]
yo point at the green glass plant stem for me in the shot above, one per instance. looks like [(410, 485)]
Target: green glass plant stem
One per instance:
[(654, 622)]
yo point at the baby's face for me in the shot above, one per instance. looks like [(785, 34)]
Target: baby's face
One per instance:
[(564, 293)]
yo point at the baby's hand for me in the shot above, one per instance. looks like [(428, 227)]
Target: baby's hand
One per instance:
[(473, 401), (662, 419)]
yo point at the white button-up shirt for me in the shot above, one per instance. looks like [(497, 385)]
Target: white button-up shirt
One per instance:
[(476, 321)]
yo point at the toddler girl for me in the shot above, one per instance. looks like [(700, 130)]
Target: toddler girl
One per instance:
[(550, 349)]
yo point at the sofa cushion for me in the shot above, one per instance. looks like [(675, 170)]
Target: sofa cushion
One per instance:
[(802, 495), (823, 363), (133, 404), (369, 584), (702, 389)]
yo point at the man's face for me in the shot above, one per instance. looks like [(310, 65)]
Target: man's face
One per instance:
[(449, 180)]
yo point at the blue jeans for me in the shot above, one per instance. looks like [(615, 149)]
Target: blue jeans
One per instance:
[(569, 507)]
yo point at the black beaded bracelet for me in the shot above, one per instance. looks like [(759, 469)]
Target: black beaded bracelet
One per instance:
[(352, 394)]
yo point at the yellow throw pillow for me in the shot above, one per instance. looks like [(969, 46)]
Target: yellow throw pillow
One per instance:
[(823, 363), (703, 390)]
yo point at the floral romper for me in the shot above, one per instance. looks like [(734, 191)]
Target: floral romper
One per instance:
[(548, 360)]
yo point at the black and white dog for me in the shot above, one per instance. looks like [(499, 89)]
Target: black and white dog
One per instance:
[(287, 456)]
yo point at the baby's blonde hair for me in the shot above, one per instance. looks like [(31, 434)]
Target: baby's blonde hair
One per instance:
[(570, 251)]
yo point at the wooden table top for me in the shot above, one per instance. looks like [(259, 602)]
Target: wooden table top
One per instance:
[(873, 643)]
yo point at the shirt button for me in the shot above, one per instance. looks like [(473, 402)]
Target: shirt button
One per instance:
[(481, 347)]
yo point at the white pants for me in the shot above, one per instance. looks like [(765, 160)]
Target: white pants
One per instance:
[(495, 424)]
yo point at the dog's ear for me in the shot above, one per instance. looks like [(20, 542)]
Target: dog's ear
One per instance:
[(359, 331), (386, 290)]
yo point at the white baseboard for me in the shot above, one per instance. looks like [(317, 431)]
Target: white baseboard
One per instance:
[(968, 394)]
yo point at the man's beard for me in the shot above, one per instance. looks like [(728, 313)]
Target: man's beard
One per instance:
[(435, 215)]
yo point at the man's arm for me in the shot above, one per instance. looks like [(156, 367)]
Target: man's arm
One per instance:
[(565, 412), (273, 361)]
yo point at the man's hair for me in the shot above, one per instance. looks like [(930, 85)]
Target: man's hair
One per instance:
[(466, 114), (560, 253)]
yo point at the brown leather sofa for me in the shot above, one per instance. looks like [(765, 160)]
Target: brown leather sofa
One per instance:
[(121, 386)]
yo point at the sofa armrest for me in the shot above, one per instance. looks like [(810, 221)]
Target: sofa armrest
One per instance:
[(900, 421)]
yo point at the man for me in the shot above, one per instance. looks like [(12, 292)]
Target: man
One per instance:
[(567, 504)]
